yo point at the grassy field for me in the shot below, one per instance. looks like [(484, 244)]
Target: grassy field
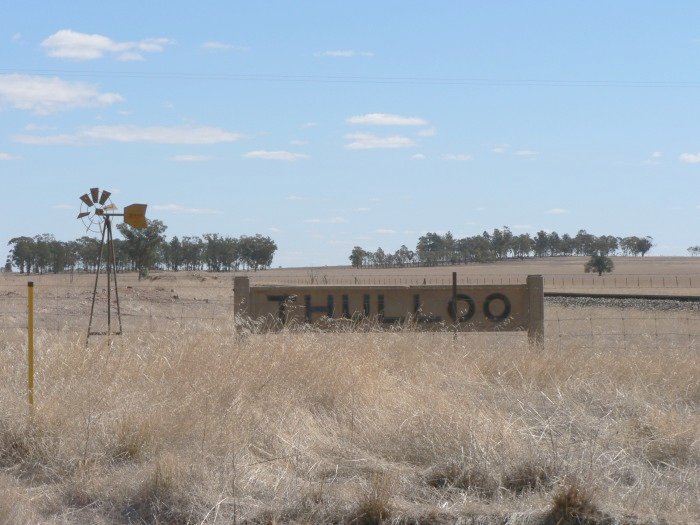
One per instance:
[(190, 424)]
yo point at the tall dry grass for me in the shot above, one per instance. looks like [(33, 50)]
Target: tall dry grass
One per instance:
[(347, 428)]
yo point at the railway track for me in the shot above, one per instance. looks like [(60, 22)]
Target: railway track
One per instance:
[(647, 297)]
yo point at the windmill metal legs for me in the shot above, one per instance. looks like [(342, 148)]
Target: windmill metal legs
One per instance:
[(111, 263)]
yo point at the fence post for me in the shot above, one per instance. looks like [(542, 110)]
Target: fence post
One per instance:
[(454, 304), (535, 330), (241, 298), (30, 344)]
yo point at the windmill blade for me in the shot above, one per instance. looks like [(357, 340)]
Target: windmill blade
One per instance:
[(86, 199), (110, 207), (95, 192), (105, 195), (83, 214)]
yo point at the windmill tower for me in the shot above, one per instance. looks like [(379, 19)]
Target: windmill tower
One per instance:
[(97, 211)]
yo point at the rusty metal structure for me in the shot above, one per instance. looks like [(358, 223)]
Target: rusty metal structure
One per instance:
[(97, 212)]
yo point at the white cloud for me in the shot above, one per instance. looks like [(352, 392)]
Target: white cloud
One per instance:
[(427, 132), (189, 158), (370, 141), (294, 198), (417, 156), (690, 158), (308, 125), (361, 210), (213, 45), (344, 53), (7, 156), (274, 230), (184, 210), (152, 134), (331, 220), (275, 155), (557, 211), (385, 119), (44, 95), (296, 142), (385, 231), (130, 56), (38, 127), (47, 140), (69, 44), (526, 153), (500, 148), (654, 159), (456, 156), (17, 37)]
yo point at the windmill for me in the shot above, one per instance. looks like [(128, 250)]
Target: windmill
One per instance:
[(96, 212)]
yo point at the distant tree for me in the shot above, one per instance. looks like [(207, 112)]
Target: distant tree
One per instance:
[(566, 246), (192, 252), (605, 244), (501, 242), (644, 245), (143, 245), (257, 252), (230, 253), (174, 254), (553, 243), (88, 250), (8, 265), (599, 263), (541, 243), (522, 245), (380, 257), (357, 257), (22, 253), (429, 248), (584, 243), (694, 250), (403, 256), (628, 245), (213, 248)]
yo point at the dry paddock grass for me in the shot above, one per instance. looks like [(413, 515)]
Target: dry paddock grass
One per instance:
[(399, 427)]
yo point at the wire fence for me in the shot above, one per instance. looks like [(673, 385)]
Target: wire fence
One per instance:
[(558, 282), (150, 308), (398, 277)]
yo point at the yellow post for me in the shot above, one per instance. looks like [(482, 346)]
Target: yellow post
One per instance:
[(30, 346)]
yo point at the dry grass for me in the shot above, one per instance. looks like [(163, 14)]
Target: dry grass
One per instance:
[(347, 428)]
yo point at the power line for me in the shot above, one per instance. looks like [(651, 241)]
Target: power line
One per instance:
[(329, 79)]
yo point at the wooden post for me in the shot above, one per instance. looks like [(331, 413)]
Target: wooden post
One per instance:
[(454, 303), (30, 344), (535, 290), (241, 298)]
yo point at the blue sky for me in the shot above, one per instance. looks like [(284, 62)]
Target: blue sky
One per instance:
[(332, 124)]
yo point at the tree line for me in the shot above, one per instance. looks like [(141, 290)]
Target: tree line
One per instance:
[(141, 250), (694, 250), (434, 249)]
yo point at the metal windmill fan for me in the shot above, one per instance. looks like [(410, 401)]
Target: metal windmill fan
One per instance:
[(93, 207)]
